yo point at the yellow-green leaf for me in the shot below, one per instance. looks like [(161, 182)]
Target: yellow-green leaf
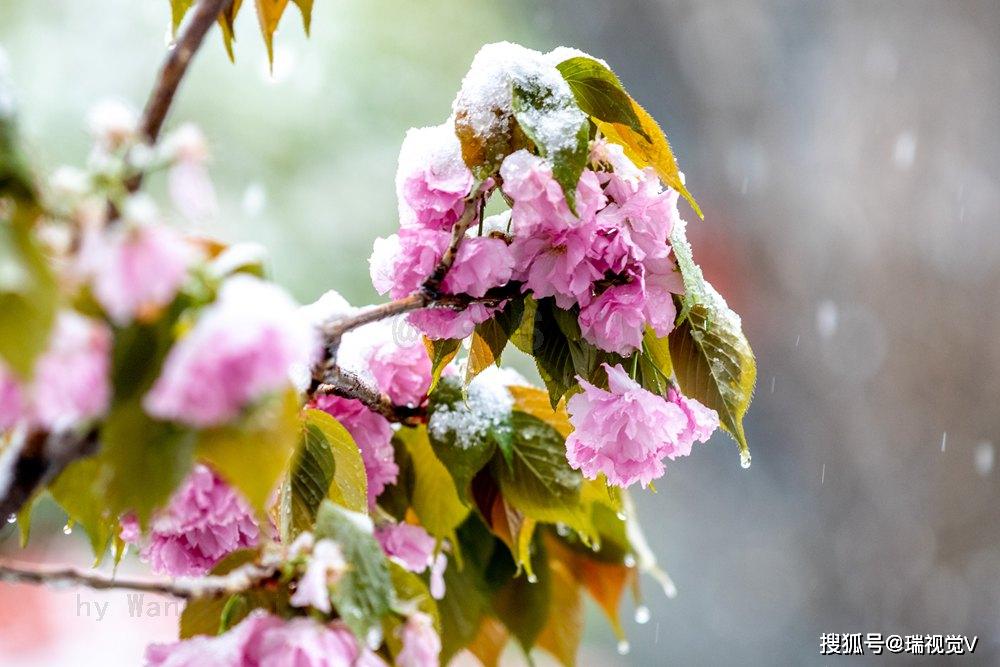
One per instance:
[(268, 15), (178, 8), (305, 7), (227, 23), (435, 499), (599, 92), (350, 484), (654, 151), (254, 454), (562, 632), (535, 402), (441, 353)]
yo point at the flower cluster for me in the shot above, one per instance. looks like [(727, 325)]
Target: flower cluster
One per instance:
[(611, 258), (205, 521), (625, 432)]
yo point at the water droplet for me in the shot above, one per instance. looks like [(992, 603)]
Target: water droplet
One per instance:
[(669, 589), (67, 529), (596, 546), (621, 516), (374, 638), (629, 560), (562, 529), (12, 518), (642, 614), (745, 460), (532, 578), (985, 454), (944, 441), (624, 647)]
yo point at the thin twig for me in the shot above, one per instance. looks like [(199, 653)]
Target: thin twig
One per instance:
[(240, 579), (172, 71), (346, 384)]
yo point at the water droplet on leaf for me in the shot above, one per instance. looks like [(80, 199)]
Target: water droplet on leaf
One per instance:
[(642, 614), (629, 560), (67, 529), (12, 518), (624, 647)]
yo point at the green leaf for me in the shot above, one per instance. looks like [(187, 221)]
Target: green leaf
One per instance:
[(599, 92), (79, 491), (540, 336), (210, 615), (142, 460), (434, 497), (490, 338), (540, 483), (463, 449), (649, 148), (712, 359), (253, 454), (441, 353), (467, 594), (269, 13), (657, 349), (558, 128), (364, 594), (523, 602), (327, 465), (28, 295)]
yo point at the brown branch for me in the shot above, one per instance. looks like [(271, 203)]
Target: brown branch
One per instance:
[(240, 579), (172, 71), (37, 461), (346, 384)]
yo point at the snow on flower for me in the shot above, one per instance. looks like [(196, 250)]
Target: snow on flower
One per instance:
[(403, 372), (432, 180), (71, 384), (112, 123), (410, 545), (624, 432), (373, 435), (205, 521), (188, 181), (325, 567), (136, 269), (263, 640), (421, 643), (243, 347)]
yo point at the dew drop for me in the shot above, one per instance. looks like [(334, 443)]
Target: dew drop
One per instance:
[(562, 529), (374, 638), (624, 647), (629, 560), (642, 614), (12, 518), (67, 529), (745, 460), (532, 578), (596, 546), (621, 516)]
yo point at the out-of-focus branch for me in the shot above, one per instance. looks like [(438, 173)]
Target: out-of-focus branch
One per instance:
[(241, 579), (346, 384), (172, 71)]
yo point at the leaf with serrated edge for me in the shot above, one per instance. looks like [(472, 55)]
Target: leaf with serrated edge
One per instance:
[(656, 153), (599, 92), (712, 359)]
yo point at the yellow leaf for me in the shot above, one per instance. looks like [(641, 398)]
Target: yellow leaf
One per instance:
[(654, 151), (489, 642), (268, 14), (480, 357), (434, 499), (227, 25), (536, 403), (253, 456), (564, 628), (305, 7), (605, 581)]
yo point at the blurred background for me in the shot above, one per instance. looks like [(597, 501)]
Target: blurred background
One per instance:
[(847, 157)]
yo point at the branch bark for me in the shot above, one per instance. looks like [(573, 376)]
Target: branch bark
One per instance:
[(240, 579)]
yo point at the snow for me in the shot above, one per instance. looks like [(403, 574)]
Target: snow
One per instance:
[(484, 101), (487, 405)]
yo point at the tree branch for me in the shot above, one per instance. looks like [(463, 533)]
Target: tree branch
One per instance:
[(341, 382), (240, 579)]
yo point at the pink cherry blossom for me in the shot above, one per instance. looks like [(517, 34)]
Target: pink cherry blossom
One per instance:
[(440, 323), (136, 269), (421, 643), (701, 422), (410, 545), (481, 263), (373, 435), (71, 383), (624, 432), (403, 372), (304, 642), (12, 405), (205, 521), (325, 567), (553, 261), (432, 180), (614, 320), (538, 198), (243, 347), (226, 650), (400, 265), (659, 309)]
